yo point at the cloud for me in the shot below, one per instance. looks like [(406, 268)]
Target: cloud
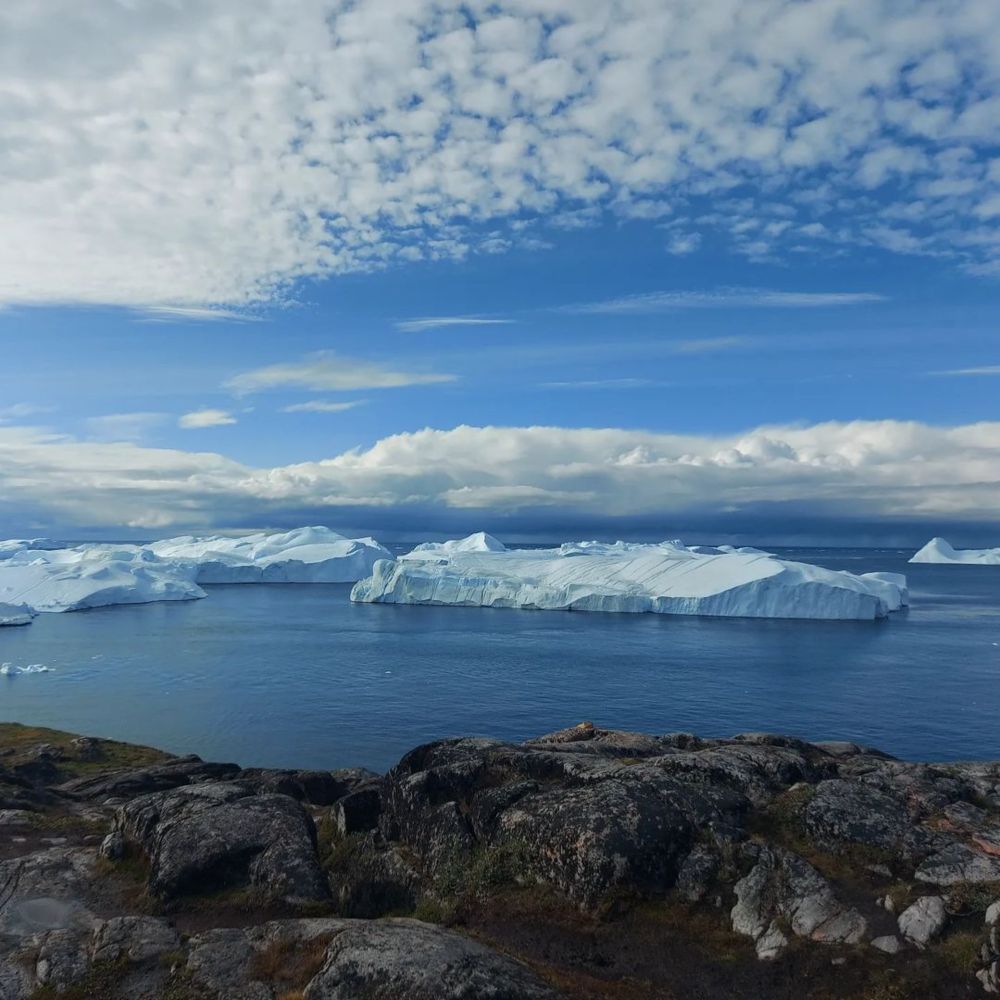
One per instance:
[(681, 244), (436, 322), (195, 154), (725, 298), (193, 314), (18, 411), (199, 419), (322, 406), (875, 469), (984, 370), (327, 371), (124, 426), (709, 345)]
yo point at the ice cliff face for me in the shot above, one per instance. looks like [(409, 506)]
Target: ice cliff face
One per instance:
[(937, 550), (663, 578)]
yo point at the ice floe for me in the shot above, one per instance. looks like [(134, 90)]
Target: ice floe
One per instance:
[(13, 670), (937, 550), (662, 578)]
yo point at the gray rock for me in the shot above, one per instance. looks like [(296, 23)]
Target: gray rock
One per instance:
[(219, 835), (993, 913), (890, 944), (221, 960), (391, 959), (127, 784), (357, 811), (923, 920), (138, 939), (852, 812), (696, 873), (959, 863), (112, 846), (782, 885), (63, 958)]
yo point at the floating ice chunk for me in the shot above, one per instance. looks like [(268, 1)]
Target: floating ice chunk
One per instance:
[(304, 555), (15, 614), (937, 550), (12, 670), (662, 578)]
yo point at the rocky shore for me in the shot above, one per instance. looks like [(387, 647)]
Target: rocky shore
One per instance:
[(586, 863)]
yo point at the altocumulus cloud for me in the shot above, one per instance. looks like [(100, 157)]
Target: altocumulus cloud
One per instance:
[(874, 469), (198, 419), (198, 153)]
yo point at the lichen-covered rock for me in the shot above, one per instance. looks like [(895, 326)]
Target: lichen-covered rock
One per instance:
[(781, 886), (137, 939), (391, 959), (959, 863), (127, 784), (219, 835), (923, 920)]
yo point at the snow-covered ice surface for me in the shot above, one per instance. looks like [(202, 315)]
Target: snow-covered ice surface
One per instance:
[(305, 555), (479, 542), (92, 576), (937, 550), (662, 578), (9, 546)]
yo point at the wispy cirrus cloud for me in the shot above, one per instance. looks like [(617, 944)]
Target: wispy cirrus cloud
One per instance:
[(193, 314), (983, 370), (124, 426), (723, 298), (327, 371), (323, 406), (18, 411), (437, 322), (200, 419)]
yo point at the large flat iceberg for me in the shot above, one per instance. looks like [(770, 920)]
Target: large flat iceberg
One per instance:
[(305, 555), (662, 578), (937, 550), (92, 576)]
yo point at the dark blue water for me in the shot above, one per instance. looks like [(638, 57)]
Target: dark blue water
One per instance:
[(298, 676)]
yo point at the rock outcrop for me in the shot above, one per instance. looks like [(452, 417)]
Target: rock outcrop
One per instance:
[(756, 865)]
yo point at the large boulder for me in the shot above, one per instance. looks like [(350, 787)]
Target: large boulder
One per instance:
[(220, 835), (391, 959)]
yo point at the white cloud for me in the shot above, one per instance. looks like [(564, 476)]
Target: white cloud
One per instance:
[(322, 406), (327, 371), (193, 314), (124, 426), (199, 419), (860, 469), (189, 153), (709, 345), (724, 298), (681, 244), (436, 322), (984, 370)]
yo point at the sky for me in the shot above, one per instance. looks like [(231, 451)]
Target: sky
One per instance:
[(545, 267)]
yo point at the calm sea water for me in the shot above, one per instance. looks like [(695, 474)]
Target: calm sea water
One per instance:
[(298, 676)]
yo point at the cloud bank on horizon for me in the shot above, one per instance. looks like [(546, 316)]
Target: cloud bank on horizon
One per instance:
[(172, 155), (855, 470)]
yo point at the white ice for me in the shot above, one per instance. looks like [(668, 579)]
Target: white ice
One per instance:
[(663, 578), (479, 542), (15, 614), (12, 669), (305, 555), (92, 576), (937, 550)]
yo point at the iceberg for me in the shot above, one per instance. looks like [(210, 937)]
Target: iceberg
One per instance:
[(11, 546), (937, 550), (92, 576), (660, 578), (304, 555), (15, 614), (478, 542)]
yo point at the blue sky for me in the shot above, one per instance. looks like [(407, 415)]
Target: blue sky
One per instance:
[(764, 261)]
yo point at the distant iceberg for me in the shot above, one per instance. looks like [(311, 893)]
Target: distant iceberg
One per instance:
[(937, 550), (92, 576), (11, 546), (305, 555), (661, 578), (479, 542)]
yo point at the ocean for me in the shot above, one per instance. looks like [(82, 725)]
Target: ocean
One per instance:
[(297, 676)]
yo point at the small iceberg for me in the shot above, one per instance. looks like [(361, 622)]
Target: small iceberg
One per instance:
[(937, 550), (659, 578), (13, 614)]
